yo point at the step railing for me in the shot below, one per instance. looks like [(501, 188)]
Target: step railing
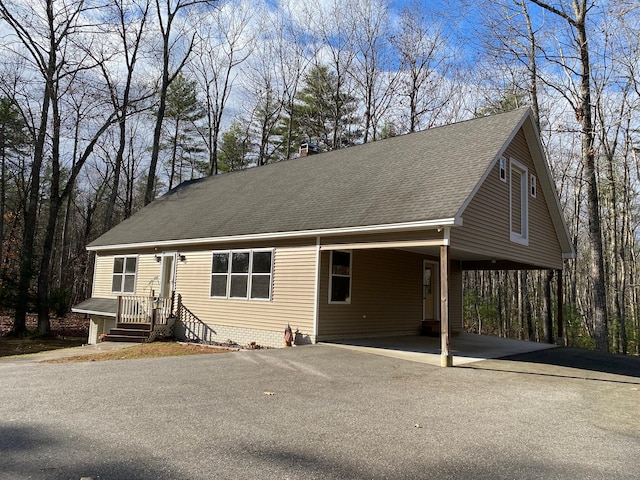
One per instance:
[(144, 309), (193, 329)]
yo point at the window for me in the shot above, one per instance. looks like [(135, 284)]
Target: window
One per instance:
[(503, 169), (533, 186), (242, 274), (340, 277), (519, 204), (124, 274)]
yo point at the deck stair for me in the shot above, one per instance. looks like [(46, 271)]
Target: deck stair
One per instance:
[(430, 328), (129, 332)]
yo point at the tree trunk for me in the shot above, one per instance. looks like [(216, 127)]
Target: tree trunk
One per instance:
[(584, 115), (31, 216), (548, 313)]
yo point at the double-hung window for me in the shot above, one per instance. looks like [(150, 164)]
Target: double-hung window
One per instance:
[(242, 274), (340, 277), (124, 274)]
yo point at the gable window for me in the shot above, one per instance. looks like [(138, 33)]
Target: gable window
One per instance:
[(124, 274), (519, 203), (503, 169), (533, 186), (340, 277), (242, 274)]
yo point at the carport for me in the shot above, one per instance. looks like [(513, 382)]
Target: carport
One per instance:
[(463, 349)]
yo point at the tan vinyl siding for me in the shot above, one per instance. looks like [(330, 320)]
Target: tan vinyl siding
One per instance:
[(486, 228), (147, 276), (292, 302), (148, 279), (102, 276), (386, 295)]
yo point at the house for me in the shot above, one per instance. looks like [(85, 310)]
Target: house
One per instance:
[(366, 241)]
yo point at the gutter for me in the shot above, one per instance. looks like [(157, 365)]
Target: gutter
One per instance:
[(392, 227)]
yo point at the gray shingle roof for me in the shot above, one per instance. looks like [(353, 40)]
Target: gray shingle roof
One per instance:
[(98, 306), (417, 177)]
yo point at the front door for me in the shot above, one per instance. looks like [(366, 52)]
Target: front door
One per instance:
[(430, 286), (167, 274)]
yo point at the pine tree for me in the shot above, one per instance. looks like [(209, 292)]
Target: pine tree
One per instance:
[(182, 114), (234, 148), (324, 113), (14, 138)]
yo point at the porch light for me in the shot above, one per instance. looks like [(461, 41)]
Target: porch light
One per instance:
[(182, 257), (158, 258)]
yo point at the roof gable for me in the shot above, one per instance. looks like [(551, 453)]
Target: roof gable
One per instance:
[(419, 177)]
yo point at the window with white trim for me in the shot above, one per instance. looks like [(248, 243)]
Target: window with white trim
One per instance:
[(124, 274), (533, 186), (242, 274), (503, 169), (340, 277), (519, 202)]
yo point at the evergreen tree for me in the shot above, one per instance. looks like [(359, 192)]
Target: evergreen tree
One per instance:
[(509, 100), (182, 114), (14, 138), (234, 148), (324, 113)]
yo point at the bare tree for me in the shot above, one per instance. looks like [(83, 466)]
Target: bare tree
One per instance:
[(575, 14), (224, 43), (42, 44), (371, 19), (178, 40), (292, 56), (422, 46), (331, 25), (129, 19)]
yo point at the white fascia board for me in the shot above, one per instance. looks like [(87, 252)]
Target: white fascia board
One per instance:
[(549, 189), (92, 312), (491, 166), (391, 227)]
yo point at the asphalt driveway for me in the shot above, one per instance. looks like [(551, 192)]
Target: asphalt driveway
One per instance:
[(321, 412)]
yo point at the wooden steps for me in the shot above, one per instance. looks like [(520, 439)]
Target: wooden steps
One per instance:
[(129, 332)]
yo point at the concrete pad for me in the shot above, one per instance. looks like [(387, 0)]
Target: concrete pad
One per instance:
[(466, 348)]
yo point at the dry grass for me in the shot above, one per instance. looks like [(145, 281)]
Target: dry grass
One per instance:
[(145, 350)]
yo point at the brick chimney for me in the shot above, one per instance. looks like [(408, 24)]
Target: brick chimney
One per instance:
[(308, 148)]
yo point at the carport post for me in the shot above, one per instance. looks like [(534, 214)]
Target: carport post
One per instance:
[(446, 360)]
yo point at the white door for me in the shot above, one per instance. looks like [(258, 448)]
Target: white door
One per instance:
[(167, 274)]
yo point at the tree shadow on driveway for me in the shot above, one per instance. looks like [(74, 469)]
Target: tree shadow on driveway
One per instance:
[(568, 363), (42, 453)]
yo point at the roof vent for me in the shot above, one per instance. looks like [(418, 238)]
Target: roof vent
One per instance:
[(308, 148)]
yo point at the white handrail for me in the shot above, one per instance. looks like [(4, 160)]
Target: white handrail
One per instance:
[(143, 309)]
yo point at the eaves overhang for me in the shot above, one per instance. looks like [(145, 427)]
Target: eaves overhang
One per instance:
[(358, 230)]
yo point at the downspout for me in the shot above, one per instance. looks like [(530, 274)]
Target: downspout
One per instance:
[(316, 292)]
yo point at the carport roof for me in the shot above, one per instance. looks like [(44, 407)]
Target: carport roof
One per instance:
[(422, 177)]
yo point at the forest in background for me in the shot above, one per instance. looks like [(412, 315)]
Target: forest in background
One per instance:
[(106, 105)]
